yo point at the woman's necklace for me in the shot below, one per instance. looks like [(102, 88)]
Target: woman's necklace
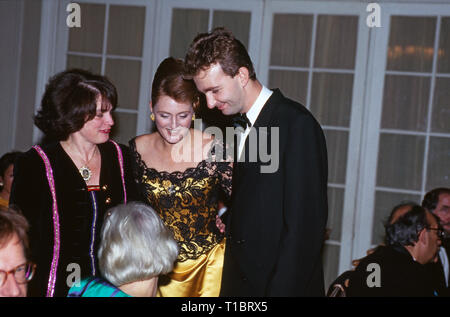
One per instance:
[(84, 170)]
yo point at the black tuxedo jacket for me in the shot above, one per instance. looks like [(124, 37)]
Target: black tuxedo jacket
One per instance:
[(277, 222)]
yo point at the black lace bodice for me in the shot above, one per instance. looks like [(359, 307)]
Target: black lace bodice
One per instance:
[(186, 201)]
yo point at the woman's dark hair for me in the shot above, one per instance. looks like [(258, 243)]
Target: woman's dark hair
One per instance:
[(70, 100), (169, 81), (6, 160), (218, 46), (406, 229)]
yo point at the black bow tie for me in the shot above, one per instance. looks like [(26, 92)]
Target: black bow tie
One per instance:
[(241, 121)]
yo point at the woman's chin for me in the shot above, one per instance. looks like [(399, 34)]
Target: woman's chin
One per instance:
[(175, 136), (173, 139)]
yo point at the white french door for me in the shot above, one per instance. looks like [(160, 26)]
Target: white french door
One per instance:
[(316, 53)]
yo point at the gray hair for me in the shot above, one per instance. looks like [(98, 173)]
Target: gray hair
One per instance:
[(135, 245)]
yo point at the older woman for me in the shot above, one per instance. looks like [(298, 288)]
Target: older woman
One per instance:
[(135, 249), (183, 189), (65, 187)]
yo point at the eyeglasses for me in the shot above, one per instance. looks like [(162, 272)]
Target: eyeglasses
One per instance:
[(22, 273), (440, 233)]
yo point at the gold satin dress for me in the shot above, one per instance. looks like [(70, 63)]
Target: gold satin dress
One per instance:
[(187, 203), (3, 203)]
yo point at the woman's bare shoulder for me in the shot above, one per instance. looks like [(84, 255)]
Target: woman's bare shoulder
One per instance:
[(144, 141)]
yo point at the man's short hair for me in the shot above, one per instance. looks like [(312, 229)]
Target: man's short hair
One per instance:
[(431, 199), (135, 245), (217, 46), (13, 222), (406, 229)]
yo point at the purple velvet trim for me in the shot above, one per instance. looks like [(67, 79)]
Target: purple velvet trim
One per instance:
[(56, 227)]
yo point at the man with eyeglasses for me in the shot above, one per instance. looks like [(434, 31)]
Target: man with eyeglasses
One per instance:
[(15, 270), (437, 201), (398, 269)]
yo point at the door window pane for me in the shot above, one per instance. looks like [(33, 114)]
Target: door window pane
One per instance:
[(124, 127), (441, 106), (237, 22), (126, 30), (89, 37), (293, 84), (291, 40), (337, 146), (438, 171), (336, 41), (331, 98), (400, 161), (92, 64), (186, 24), (125, 75), (331, 262), (405, 102), (411, 43), (444, 47), (336, 204)]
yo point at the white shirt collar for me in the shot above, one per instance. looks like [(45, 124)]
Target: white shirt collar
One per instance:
[(255, 109)]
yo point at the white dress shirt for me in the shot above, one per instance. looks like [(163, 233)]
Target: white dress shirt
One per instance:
[(253, 113), (445, 263)]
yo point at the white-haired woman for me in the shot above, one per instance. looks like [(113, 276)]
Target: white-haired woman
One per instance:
[(135, 249)]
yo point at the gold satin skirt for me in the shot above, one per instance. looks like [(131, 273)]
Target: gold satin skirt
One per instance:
[(199, 277)]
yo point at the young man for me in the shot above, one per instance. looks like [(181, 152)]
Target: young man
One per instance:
[(278, 214)]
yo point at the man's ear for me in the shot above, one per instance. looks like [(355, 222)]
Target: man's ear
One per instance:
[(423, 237), (243, 76)]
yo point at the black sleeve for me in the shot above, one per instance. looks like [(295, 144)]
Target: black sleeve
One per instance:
[(130, 184), (31, 194)]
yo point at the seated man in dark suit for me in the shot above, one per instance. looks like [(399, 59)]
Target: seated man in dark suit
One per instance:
[(398, 269), (437, 201)]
